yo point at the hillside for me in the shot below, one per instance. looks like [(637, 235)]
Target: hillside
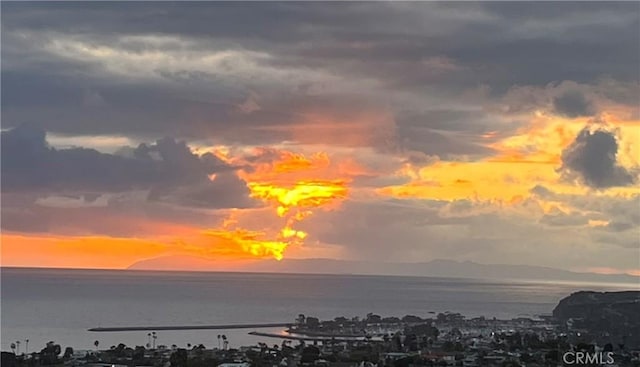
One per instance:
[(609, 316), (435, 268)]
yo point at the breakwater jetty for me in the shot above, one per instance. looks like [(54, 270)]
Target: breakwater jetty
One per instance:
[(190, 327)]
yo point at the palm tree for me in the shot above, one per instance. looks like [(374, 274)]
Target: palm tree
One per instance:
[(219, 336), (18, 346), (149, 340), (26, 341), (13, 348), (154, 336), (224, 341), (96, 343)]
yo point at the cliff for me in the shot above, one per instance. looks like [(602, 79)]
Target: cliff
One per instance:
[(612, 314)]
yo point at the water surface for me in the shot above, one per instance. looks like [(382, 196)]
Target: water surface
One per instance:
[(61, 304)]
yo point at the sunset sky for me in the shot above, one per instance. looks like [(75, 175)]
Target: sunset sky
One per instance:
[(385, 132)]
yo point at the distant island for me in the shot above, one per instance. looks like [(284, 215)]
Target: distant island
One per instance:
[(434, 268)]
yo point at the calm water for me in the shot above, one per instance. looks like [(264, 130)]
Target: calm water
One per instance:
[(46, 304)]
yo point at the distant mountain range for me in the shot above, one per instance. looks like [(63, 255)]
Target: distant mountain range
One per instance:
[(435, 268)]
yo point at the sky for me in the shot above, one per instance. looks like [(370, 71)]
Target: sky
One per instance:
[(386, 132)]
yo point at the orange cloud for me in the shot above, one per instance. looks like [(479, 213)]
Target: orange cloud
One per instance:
[(292, 162), (292, 184), (301, 194), (76, 252), (103, 252), (529, 157), (367, 127), (250, 242)]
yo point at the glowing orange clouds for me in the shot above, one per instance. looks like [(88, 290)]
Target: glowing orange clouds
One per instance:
[(294, 202), (292, 162), (294, 184), (303, 194), (72, 252), (251, 242), (532, 156)]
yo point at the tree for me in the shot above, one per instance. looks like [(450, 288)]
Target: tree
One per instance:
[(608, 348), (526, 358), (312, 322), (179, 358), (49, 354), (224, 341), (13, 348), (373, 318), (423, 329), (396, 342), (138, 355), (219, 336), (411, 342), (300, 320), (552, 356), (309, 354), (411, 318), (448, 346), (18, 346), (8, 360), (390, 320), (96, 343), (341, 319), (120, 350), (68, 353)]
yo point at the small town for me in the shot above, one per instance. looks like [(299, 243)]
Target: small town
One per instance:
[(445, 339)]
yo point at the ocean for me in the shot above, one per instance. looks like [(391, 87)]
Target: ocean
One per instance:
[(60, 304)]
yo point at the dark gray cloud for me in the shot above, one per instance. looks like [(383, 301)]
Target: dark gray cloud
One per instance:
[(429, 80), (167, 168), (573, 103), (298, 58), (563, 219), (616, 226), (627, 240), (592, 158), (542, 192), (447, 132), (617, 209), (119, 215), (421, 138)]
